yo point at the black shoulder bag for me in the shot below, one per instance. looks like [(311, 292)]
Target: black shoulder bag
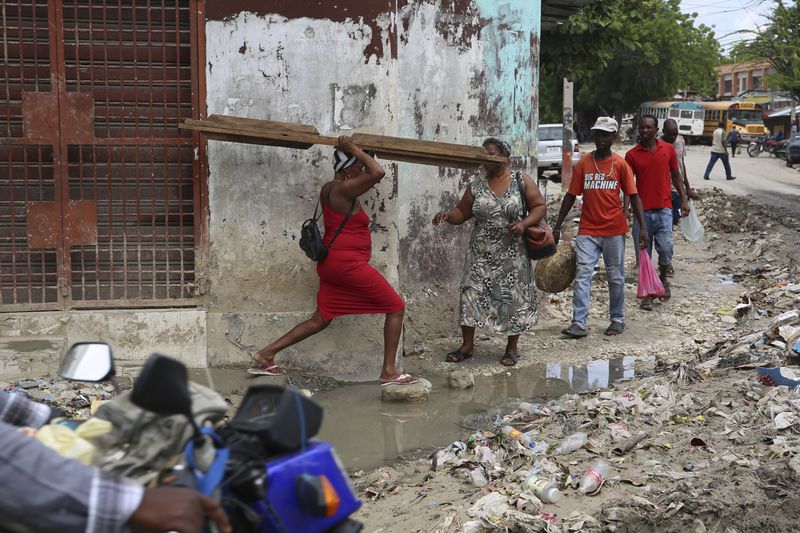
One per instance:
[(310, 238), (539, 241)]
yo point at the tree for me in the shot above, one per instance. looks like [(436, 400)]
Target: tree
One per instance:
[(779, 44), (620, 53)]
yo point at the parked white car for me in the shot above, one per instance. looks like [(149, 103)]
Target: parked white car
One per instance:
[(549, 150)]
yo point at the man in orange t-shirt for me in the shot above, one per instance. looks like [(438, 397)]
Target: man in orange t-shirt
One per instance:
[(600, 176)]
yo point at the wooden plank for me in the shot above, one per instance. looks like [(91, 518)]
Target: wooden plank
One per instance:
[(271, 133), (416, 145), (259, 123), (382, 154)]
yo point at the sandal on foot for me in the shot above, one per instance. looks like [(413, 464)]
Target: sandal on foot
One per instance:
[(667, 292), (646, 305), (457, 356), (615, 328), (266, 370), (574, 331), (509, 359), (402, 379)]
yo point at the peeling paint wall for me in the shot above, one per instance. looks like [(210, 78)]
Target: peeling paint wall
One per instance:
[(450, 70)]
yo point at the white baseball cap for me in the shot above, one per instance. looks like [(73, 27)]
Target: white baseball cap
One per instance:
[(606, 124)]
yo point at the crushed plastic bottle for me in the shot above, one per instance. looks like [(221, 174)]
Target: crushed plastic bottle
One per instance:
[(450, 453), (514, 434), (544, 489), (477, 478), (593, 478), (571, 443)]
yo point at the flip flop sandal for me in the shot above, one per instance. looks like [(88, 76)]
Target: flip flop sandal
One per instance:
[(509, 359), (402, 379), (457, 356), (615, 328), (574, 331), (266, 370)]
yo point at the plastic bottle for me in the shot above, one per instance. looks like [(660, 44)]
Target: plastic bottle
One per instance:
[(477, 478), (593, 478), (544, 489), (514, 434), (450, 453), (571, 443)]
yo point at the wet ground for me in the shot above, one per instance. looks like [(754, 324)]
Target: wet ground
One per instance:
[(367, 432)]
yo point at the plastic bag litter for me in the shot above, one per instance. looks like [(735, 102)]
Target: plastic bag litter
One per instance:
[(649, 284), (691, 227), (74, 444)]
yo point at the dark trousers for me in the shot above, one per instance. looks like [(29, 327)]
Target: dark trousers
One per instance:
[(734, 144), (713, 161)]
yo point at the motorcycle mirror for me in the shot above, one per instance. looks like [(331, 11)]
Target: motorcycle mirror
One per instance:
[(163, 387), (88, 361)]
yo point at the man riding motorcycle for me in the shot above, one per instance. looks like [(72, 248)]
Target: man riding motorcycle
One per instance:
[(42, 491)]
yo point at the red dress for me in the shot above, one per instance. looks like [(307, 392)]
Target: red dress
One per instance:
[(348, 284)]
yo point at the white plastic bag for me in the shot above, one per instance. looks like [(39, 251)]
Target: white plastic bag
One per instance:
[(691, 226)]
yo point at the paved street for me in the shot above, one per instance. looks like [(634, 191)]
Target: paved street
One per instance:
[(765, 179)]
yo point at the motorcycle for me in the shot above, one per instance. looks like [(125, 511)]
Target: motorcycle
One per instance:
[(781, 149), (764, 144), (262, 465)]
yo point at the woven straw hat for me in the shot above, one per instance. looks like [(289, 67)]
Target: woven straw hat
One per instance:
[(556, 273)]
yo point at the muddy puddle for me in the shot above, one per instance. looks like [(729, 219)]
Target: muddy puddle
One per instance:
[(367, 432)]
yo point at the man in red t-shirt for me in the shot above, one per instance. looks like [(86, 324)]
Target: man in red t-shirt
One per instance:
[(655, 163), (600, 176)]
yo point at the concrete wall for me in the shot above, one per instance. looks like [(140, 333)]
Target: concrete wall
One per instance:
[(440, 70)]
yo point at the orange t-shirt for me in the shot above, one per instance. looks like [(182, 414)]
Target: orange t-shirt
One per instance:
[(601, 215)]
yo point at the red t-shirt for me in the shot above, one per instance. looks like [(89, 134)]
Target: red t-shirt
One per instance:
[(601, 215), (652, 171)]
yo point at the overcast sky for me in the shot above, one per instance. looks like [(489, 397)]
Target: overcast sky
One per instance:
[(729, 16)]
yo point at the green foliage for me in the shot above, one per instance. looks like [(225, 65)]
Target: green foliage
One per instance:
[(620, 53), (778, 43)]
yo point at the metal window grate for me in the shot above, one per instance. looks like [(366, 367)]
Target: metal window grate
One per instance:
[(26, 170), (90, 145), (135, 59)]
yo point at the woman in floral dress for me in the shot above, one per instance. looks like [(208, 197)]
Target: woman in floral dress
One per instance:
[(497, 289)]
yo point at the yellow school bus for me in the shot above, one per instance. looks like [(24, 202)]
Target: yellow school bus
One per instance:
[(747, 117)]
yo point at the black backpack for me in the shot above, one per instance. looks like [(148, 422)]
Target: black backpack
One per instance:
[(310, 238)]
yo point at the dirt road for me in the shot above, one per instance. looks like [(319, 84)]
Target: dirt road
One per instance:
[(763, 179)]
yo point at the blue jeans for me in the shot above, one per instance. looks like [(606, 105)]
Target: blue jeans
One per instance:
[(676, 208), (588, 251), (659, 228), (713, 161)]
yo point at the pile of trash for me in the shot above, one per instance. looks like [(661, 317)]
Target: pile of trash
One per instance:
[(654, 442), (75, 400)]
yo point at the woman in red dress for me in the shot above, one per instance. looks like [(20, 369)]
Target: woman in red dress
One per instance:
[(348, 284)]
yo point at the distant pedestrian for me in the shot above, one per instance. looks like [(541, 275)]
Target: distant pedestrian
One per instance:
[(677, 141), (600, 176), (733, 140), (655, 164), (719, 150)]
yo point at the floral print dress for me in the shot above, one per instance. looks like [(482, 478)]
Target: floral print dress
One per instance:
[(497, 289)]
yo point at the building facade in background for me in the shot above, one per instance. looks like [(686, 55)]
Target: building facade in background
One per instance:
[(738, 78)]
